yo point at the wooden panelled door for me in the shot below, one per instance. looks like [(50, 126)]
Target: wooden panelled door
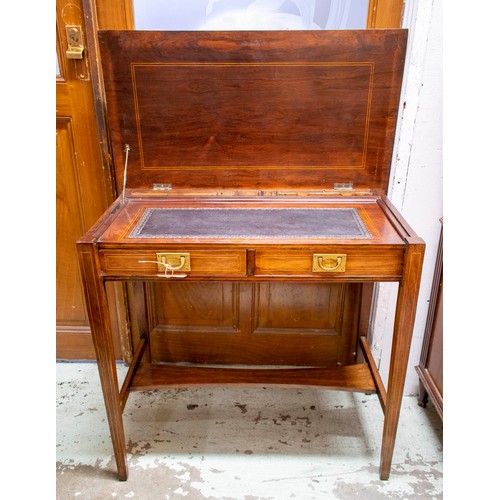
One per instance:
[(83, 188), (293, 325)]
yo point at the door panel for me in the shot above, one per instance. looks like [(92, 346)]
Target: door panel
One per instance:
[(188, 306), (305, 324), (194, 322), (308, 309), (71, 312), (253, 323)]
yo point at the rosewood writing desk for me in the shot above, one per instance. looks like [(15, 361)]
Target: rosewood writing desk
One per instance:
[(253, 158)]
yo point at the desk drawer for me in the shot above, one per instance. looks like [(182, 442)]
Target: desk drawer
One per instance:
[(366, 263), (333, 262), (202, 262)]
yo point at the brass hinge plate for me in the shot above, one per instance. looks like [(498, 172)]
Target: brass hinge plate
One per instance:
[(343, 186), (162, 187)]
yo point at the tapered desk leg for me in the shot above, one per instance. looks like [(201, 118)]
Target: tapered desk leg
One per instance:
[(401, 342), (97, 307)]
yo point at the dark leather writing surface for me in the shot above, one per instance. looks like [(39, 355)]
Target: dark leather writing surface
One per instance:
[(342, 223)]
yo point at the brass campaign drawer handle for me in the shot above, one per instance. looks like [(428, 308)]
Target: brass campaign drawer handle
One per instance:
[(168, 263), (173, 261), (329, 263)]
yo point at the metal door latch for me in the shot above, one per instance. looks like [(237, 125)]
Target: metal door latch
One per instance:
[(74, 36)]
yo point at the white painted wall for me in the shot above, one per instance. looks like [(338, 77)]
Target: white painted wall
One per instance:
[(417, 175)]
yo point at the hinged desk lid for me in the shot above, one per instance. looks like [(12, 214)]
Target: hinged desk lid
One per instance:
[(264, 110)]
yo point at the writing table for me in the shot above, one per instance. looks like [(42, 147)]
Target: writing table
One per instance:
[(193, 209)]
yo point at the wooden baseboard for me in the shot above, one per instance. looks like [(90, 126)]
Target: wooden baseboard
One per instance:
[(72, 345)]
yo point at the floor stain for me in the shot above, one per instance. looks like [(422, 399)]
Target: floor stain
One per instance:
[(243, 408)]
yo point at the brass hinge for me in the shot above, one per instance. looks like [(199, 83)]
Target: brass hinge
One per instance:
[(343, 186), (162, 187)]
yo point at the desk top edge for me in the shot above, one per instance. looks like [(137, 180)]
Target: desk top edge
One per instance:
[(145, 198)]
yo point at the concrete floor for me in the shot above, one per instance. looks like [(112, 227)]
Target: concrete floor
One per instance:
[(241, 443)]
